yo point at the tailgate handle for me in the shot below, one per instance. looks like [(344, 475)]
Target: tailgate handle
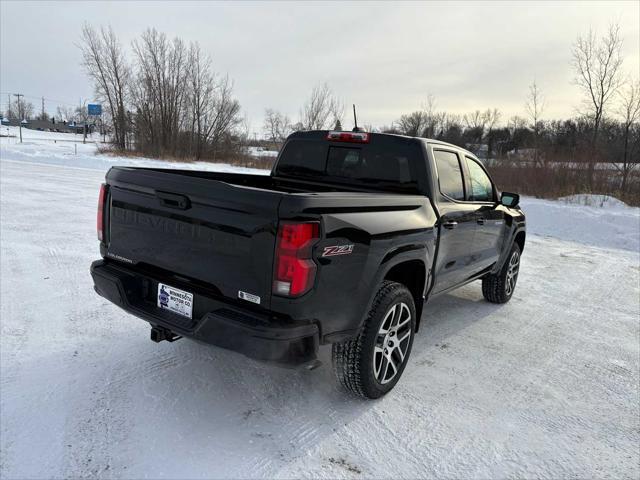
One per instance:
[(173, 200)]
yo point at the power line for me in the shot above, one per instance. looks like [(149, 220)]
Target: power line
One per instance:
[(39, 97)]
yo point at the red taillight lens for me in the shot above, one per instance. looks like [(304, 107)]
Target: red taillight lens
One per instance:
[(349, 137), (100, 217), (294, 270)]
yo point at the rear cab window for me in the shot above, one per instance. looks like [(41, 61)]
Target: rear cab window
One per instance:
[(386, 162)]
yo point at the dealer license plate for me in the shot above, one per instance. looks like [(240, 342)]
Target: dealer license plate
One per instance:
[(175, 300)]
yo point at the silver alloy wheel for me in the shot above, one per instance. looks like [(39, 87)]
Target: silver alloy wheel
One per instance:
[(392, 343), (512, 273)]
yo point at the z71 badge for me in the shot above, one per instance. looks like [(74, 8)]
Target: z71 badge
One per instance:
[(337, 250)]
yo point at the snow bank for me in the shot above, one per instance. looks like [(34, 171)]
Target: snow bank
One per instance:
[(606, 223), (590, 200)]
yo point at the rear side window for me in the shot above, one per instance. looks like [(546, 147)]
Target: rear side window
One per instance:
[(384, 163), (481, 186), (449, 174)]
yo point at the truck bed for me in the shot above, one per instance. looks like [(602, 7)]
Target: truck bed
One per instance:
[(218, 229)]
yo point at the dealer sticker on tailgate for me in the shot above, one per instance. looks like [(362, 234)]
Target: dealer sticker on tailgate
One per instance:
[(177, 301)]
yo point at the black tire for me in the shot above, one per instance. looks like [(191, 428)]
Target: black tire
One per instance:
[(499, 287), (354, 361)]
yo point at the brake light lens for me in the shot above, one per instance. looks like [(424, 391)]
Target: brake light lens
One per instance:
[(349, 137), (100, 217), (294, 270)]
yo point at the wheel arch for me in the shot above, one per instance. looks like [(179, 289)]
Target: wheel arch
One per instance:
[(520, 239), (516, 237), (412, 273)]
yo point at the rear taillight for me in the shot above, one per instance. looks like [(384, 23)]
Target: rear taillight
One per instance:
[(100, 217), (294, 270), (349, 137)]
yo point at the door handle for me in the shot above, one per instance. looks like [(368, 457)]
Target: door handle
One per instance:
[(450, 224), (480, 221)]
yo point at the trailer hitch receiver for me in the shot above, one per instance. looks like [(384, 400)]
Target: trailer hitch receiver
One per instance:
[(158, 334)]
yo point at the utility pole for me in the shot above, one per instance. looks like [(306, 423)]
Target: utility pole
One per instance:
[(19, 112), (42, 117)]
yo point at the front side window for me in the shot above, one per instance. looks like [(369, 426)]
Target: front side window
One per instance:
[(481, 186), (449, 174)]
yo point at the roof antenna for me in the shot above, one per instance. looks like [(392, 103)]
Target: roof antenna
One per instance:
[(355, 121)]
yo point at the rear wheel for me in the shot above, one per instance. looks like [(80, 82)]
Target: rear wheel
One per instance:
[(499, 287), (371, 364)]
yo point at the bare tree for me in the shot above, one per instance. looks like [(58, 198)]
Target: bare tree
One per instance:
[(431, 117), (20, 110), (322, 110), (423, 122), (297, 127), (412, 124), (276, 126), (223, 114), (65, 114), (517, 122), (105, 63), (597, 63), (475, 120), (491, 119), (535, 107), (161, 95), (201, 90), (629, 112), (449, 121)]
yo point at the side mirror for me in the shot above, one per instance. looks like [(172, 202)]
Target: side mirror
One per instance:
[(510, 200)]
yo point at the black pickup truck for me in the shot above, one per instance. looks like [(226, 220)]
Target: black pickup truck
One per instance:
[(341, 244)]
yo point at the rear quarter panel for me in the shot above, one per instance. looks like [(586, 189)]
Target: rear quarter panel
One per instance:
[(384, 230)]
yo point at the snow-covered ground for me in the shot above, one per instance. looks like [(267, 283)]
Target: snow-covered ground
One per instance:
[(67, 150), (544, 386)]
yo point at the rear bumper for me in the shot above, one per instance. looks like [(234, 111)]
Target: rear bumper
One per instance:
[(259, 336)]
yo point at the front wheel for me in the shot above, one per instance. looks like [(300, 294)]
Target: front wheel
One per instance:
[(499, 287), (371, 364)]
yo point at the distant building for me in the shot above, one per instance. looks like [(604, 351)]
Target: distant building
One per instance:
[(49, 126)]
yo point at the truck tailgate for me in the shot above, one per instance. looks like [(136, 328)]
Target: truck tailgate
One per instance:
[(199, 228)]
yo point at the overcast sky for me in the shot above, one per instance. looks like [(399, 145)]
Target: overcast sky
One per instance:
[(387, 58)]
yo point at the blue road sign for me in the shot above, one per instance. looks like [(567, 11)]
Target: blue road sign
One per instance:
[(94, 109)]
